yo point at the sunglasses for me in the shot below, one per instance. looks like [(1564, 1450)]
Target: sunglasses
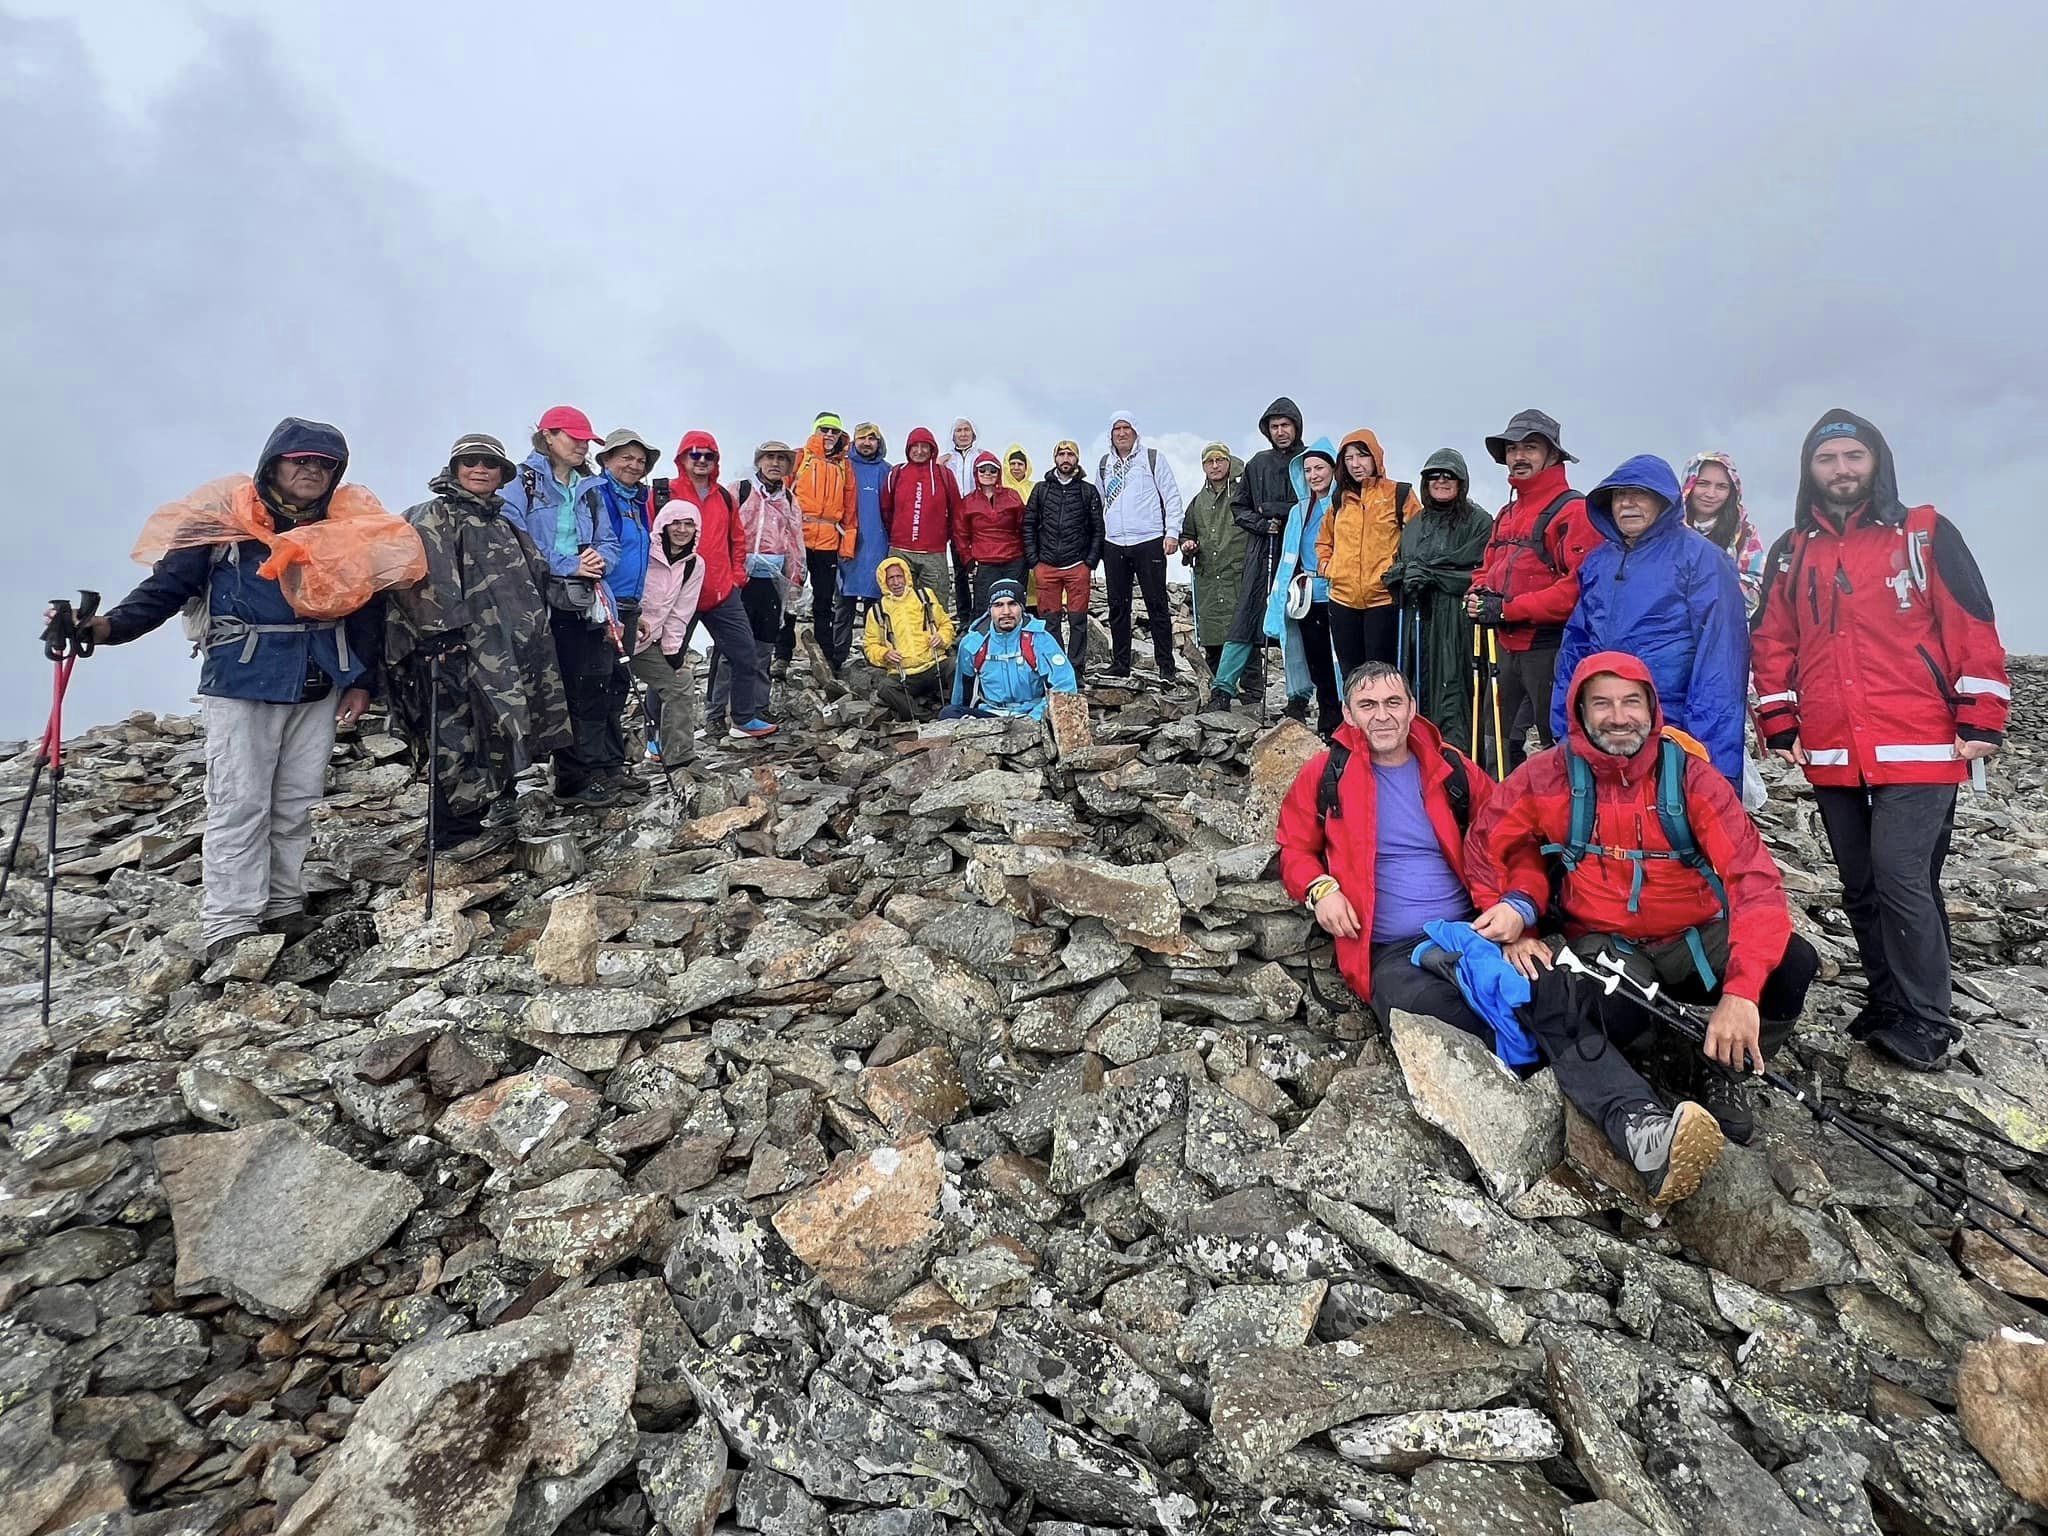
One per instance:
[(1440, 474), (701, 455), (988, 469), (476, 461)]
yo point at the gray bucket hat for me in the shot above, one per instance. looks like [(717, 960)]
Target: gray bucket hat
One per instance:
[(472, 445), (1527, 424), (625, 437)]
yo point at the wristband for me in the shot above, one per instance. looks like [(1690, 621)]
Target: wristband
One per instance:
[(1318, 888)]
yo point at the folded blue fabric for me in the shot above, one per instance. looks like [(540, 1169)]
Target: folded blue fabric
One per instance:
[(1494, 988)]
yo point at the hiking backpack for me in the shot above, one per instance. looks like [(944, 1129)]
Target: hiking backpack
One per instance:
[(1672, 817), (1539, 538), (1151, 466), (1457, 787), (1024, 642)]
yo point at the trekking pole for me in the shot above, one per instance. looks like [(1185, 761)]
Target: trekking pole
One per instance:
[(1684, 1022), (1500, 737), (63, 645), (1478, 687), (433, 770)]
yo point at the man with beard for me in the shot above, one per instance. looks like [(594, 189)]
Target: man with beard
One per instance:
[(1528, 580), (1640, 850), (1007, 665), (1880, 672), (1265, 494), (1062, 541)]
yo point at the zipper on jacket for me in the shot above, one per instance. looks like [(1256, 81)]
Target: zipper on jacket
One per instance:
[(1813, 594), (1949, 695)]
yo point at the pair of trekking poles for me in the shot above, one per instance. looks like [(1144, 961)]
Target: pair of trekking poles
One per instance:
[(66, 637), (1486, 691), (1611, 975)]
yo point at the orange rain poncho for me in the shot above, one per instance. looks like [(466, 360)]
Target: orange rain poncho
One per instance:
[(326, 569)]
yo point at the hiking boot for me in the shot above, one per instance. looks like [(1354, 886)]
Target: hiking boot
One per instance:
[(1297, 710), (1673, 1149), (1911, 1043), (594, 796), (223, 947), (714, 727), (1219, 702), (476, 845), (626, 786), (503, 811), (1731, 1100), (754, 729), (293, 925), (1872, 1016)]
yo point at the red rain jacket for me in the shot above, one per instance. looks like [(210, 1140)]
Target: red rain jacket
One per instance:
[(1351, 850), (991, 524), (1504, 852), (1541, 587), (721, 541), (1875, 645), (922, 501)]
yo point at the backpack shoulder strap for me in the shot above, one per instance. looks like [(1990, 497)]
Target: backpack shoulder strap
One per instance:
[(1458, 788), (1029, 648), (1402, 491), (661, 490), (529, 480), (1676, 821), (1328, 803), (1578, 838), (1539, 540)]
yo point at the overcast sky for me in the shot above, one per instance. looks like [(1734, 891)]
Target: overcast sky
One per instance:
[(1670, 231)]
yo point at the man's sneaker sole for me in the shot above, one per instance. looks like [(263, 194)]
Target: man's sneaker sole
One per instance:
[(736, 734), (1695, 1147)]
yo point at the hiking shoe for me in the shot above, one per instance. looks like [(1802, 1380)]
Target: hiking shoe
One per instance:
[(592, 796), (1731, 1100), (293, 925), (1297, 709), (1872, 1016), (653, 752), (462, 849), (222, 947), (755, 729), (715, 727), (503, 811), (1910, 1043), (1673, 1149), (1219, 702), (627, 786)]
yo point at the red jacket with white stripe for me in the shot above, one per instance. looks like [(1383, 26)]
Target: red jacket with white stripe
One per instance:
[(1876, 646)]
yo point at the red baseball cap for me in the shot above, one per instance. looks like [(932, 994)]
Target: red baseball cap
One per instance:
[(566, 418)]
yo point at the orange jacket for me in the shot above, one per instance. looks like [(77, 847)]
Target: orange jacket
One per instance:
[(1361, 535), (824, 491)]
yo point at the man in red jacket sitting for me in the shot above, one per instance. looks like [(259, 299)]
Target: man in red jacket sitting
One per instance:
[(1880, 672), (1638, 848), (1378, 851)]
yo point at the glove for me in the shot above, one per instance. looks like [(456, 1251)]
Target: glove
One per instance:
[(441, 643), (1490, 608)]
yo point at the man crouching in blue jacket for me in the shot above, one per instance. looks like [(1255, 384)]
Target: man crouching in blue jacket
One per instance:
[(1662, 592), (274, 683), (1006, 664)]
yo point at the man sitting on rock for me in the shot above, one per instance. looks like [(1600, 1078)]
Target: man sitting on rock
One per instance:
[(1007, 664), (1372, 839), (1639, 849), (906, 635)]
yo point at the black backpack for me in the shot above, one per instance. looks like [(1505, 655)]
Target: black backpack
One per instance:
[(1457, 788)]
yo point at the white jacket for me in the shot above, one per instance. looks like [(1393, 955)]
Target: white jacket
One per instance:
[(1146, 506)]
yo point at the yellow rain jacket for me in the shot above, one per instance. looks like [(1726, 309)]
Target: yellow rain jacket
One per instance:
[(916, 625)]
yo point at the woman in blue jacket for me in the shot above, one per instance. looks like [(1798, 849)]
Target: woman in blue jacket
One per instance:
[(547, 499), (1663, 593), (1305, 640)]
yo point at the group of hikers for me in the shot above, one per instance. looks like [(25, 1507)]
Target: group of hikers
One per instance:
[(509, 616)]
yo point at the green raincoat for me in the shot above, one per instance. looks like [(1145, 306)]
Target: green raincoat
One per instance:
[(1440, 550), (1219, 563)]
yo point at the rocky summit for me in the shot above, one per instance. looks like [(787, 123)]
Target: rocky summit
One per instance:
[(949, 1129)]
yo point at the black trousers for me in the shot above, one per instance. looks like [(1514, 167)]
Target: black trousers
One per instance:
[(823, 566), (1363, 634), (1147, 564), (1584, 1031), (988, 572), (1397, 982), (1526, 680), (1890, 842), (920, 695), (595, 681), (1322, 667)]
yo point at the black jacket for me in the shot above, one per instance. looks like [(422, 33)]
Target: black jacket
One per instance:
[(1063, 522), (1265, 492)]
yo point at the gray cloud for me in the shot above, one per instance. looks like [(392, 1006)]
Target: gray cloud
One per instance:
[(1672, 237)]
